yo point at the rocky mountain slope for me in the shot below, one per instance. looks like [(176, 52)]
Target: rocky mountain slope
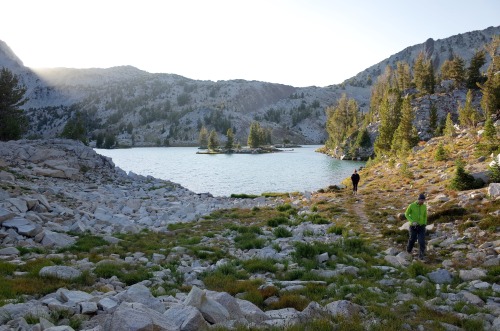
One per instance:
[(84, 246), (141, 108)]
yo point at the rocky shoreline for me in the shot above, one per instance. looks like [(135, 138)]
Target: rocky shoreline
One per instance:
[(54, 192)]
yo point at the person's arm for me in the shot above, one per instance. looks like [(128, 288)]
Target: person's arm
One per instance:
[(425, 215), (408, 215)]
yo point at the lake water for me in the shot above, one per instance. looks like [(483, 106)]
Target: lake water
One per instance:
[(301, 169)]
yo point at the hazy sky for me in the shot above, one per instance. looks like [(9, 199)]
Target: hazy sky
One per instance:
[(294, 42)]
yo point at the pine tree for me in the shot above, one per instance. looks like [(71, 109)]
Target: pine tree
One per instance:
[(390, 114), (462, 179), (75, 129), (433, 118), (468, 116), (490, 132), (419, 72), (403, 75), (406, 135), (449, 129), (342, 121), (473, 71), (230, 139), (254, 135), (213, 141), (203, 138), (429, 78), (458, 70), (383, 84), (440, 154), (490, 101), (13, 122), (494, 170)]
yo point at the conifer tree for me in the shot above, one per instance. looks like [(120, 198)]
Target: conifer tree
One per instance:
[(490, 132), (419, 72), (494, 171), (468, 116), (406, 135), (75, 129), (254, 135), (433, 118), (490, 101), (342, 121), (449, 129), (383, 84), (462, 180), (473, 71), (13, 122), (403, 75), (429, 78), (455, 70), (230, 139), (423, 74), (203, 138), (440, 154), (213, 141), (390, 114)]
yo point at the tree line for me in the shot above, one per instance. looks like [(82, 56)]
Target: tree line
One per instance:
[(390, 103), (257, 137)]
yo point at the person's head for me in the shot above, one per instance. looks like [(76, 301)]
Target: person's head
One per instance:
[(355, 171), (421, 198)]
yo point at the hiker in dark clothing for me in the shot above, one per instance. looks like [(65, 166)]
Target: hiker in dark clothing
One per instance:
[(355, 180)]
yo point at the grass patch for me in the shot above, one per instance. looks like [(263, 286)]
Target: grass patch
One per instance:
[(398, 236), (281, 232), (128, 276), (284, 207), (85, 243), (260, 265), (248, 240), (418, 269), (244, 196), (492, 275), (446, 215), (245, 229), (490, 223), (7, 269), (290, 300), (316, 219), (338, 230), (277, 221)]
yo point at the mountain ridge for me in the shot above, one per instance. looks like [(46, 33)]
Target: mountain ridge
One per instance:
[(168, 109)]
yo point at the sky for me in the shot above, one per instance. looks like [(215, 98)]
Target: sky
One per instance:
[(294, 42)]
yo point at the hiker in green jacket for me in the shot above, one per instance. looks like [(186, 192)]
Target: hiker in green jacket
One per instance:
[(416, 214)]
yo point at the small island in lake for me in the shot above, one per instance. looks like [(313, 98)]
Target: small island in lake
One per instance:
[(259, 142), (247, 150)]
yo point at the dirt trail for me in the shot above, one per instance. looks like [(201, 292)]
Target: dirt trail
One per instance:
[(358, 208)]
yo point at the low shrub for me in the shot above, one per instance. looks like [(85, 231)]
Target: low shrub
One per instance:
[(277, 221), (284, 207), (489, 223), (462, 180), (281, 232), (305, 251), (418, 269), (317, 219)]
